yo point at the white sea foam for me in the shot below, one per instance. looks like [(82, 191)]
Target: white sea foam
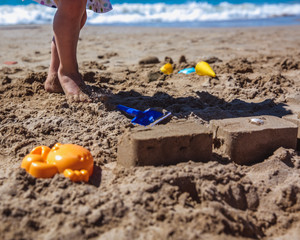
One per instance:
[(154, 13)]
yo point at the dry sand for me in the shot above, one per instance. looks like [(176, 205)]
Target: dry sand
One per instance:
[(258, 73)]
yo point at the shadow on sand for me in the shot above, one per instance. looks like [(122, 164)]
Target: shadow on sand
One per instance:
[(205, 105)]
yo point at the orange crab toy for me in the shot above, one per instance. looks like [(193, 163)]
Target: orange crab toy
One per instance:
[(74, 161)]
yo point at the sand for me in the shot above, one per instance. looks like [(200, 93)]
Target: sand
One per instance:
[(258, 73)]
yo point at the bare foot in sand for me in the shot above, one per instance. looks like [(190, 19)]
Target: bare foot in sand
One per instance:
[(73, 86), (52, 83)]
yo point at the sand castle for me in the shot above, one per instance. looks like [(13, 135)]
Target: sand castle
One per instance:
[(246, 140)]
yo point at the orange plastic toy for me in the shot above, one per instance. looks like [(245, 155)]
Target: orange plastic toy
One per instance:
[(74, 161)]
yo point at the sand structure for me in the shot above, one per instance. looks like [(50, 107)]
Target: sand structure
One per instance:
[(225, 166), (242, 140)]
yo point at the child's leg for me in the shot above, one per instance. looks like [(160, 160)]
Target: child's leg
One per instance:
[(66, 26), (52, 83)]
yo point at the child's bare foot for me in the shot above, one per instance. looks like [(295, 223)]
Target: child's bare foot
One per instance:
[(52, 83), (73, 86)]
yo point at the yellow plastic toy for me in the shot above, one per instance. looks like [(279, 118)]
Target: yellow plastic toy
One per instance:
[(74, 161), (167, 68), (203, 68)]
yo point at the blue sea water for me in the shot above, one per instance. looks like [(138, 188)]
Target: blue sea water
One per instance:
[(214, 2), (190, 13)]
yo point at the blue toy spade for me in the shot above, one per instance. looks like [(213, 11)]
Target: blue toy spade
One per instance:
[(148, 117)]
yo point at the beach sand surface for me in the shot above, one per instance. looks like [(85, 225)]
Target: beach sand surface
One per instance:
[(258, 73)]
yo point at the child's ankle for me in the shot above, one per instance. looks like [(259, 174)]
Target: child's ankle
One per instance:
[(68, 72)]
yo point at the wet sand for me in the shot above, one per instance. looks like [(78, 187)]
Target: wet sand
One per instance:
[(258, 73)]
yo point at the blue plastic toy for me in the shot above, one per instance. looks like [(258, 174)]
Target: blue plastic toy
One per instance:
[(148, 117), (187, 70)]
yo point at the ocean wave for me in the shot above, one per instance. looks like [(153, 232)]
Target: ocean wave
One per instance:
[(154, 13)]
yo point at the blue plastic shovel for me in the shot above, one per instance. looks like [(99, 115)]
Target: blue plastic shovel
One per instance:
[(187, 70), (148, 117)]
